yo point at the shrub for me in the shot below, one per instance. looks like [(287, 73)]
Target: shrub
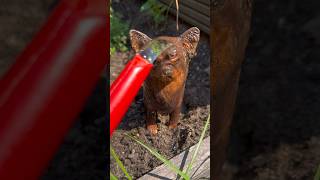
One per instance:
[(156, 10), (119, 30)]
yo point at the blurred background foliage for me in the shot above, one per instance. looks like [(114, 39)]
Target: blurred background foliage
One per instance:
[(119, 28)]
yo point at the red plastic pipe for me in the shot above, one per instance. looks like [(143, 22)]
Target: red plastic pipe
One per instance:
[(125, 88), (48, 85)]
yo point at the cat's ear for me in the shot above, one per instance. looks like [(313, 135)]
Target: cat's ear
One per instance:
[(190, 39), (138, 40)]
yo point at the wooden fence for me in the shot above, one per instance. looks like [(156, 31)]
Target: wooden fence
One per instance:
[(194, 12)]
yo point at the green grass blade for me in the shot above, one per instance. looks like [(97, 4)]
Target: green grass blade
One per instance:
[(115, 156), (113, 177), (161, 158), (198, 146), (317, 176)]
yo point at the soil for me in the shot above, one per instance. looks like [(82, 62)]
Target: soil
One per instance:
[(276, 129), (195, 106)]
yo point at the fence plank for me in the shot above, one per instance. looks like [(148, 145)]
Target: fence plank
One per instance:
[(205, 2), (192, 21), (192, 15), (199, 7), (192, 4)]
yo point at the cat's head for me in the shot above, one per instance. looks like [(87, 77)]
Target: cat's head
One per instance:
[(174, 60)]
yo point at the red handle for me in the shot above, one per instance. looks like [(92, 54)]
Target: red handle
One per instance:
[(125, 88), (46, 88)]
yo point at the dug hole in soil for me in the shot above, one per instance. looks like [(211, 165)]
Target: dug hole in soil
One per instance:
[(196, 102)]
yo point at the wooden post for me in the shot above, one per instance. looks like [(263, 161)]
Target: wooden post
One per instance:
[(230, 25)]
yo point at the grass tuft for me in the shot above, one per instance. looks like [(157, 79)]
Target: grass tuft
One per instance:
[(161, 158), (119, 163)]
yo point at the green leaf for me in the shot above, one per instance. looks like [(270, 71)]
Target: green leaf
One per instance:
[(199, 144), (155, 9), (161, 158), (118, 32), (145, 6), (115, 156), (113, 177)]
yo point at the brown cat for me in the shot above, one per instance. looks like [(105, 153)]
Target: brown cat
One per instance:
[(164, 88)]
